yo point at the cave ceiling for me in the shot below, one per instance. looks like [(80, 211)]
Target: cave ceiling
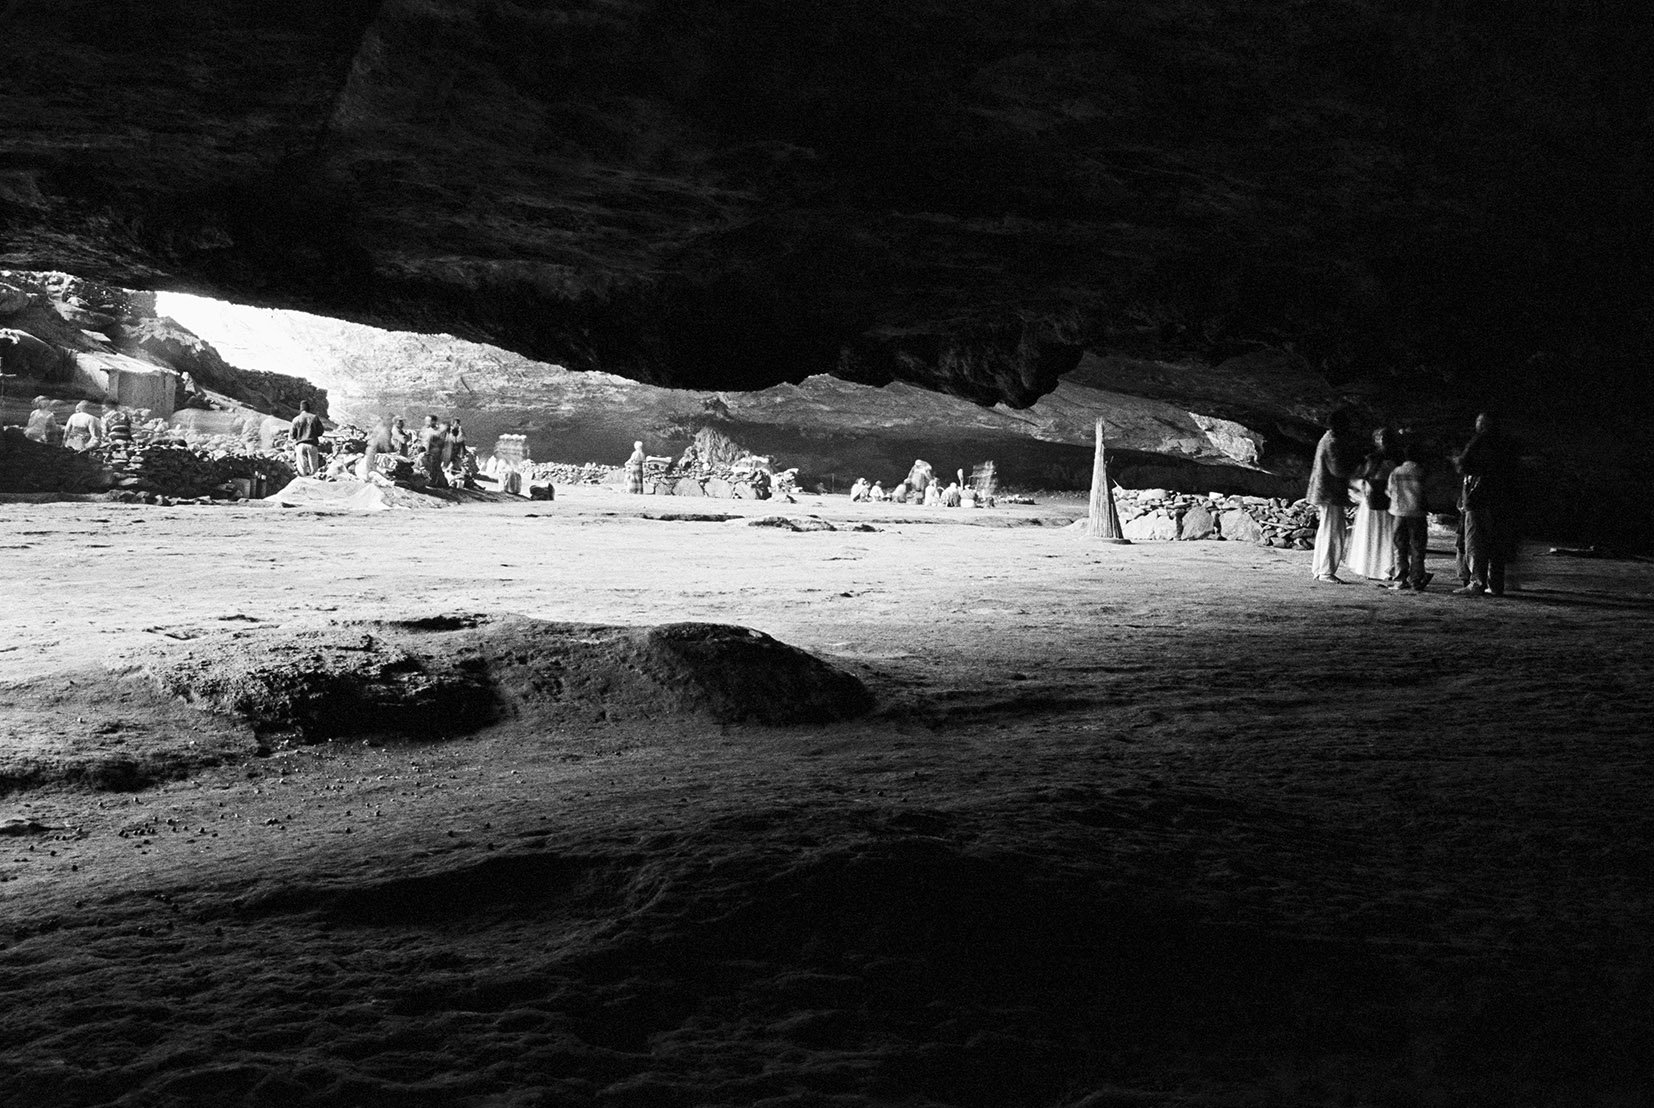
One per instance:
[(968, 197)]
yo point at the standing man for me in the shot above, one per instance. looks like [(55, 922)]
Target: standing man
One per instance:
[(1329, 491), (433, 439), (306, 433), (1487, 524), (400, 437)]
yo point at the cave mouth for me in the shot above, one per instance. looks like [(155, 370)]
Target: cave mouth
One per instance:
[(830, 429)]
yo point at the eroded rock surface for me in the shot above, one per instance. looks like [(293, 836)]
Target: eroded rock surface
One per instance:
[(709, 195)]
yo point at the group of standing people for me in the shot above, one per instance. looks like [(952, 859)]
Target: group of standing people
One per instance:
[(84, 429), (438, 449), (1390, 532)]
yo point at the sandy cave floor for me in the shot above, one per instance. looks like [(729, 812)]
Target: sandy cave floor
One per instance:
[(1155, 824)]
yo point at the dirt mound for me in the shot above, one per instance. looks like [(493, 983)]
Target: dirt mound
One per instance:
[(358, 496), (431, 678), (106, 732), (736, 673), (331, 683)]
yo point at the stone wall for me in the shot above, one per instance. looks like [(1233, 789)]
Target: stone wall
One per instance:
[(1157, 514)]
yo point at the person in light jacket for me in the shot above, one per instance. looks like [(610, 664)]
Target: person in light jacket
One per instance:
[(1412, 531)]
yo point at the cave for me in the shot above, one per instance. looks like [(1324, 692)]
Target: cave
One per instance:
[(327, 792)]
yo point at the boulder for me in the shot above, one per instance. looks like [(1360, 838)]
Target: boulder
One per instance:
[(1197, 523), (87, 319), (24, 354), (1156, 526), (688, 486), (1238, 526), (12, 299)]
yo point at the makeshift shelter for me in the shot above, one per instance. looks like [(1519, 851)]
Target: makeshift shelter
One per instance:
[(128, 382)]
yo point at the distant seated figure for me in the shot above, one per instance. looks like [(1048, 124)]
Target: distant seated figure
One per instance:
[(341, 463), (920, 476), (877, 493), (460, 465), (306, 433), (190, 395), (933, 493), (42, 426), (858, 491), (900, 493), (82, 432), (760, 482), (463, 468), (379, 442), (950, 495)]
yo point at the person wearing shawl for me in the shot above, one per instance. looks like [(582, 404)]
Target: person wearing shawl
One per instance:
[(634, 469), (1371, 549), (1329, 493)]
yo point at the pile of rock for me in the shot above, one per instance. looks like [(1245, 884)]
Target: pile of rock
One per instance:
[(566, 473), (175, 469), (31, 467), (1158, 514)]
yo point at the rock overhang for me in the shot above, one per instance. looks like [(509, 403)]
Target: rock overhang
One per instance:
[(694, 195)]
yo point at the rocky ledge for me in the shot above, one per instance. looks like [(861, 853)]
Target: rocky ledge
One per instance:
[(715, 196)]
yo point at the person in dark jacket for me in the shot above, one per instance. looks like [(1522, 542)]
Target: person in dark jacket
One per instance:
[(117, 428), (1487, 509), (1329, 492), (306, 433)]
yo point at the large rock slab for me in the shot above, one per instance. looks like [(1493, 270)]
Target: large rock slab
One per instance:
[(1238, 526), (1197, 523), (1155, 526)]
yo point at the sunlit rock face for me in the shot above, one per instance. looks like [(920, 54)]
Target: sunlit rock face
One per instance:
[(830, 429), (970, 198)]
